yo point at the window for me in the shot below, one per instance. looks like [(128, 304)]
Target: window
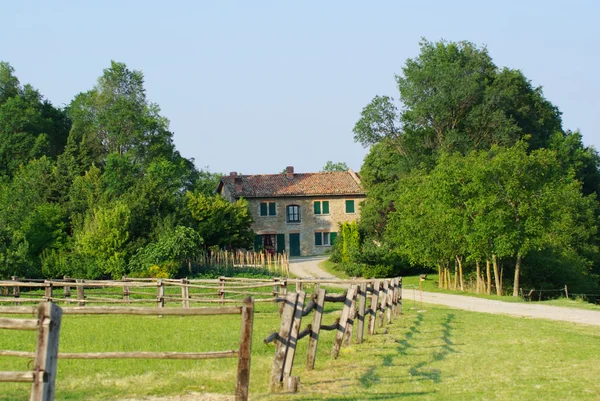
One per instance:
[(350, 206), (321, 207), (267, 209), (324, 238), (293, 214)]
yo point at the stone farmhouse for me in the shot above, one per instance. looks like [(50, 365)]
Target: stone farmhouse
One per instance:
[(297, 213)]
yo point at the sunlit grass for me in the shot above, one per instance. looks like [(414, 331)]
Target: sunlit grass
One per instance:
[(431, 354)]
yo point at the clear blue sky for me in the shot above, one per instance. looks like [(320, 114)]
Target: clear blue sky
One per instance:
[(255, 86)]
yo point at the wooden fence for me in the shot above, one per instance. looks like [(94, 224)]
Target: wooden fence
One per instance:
[(243, 353), (159, 292), (385, 299), (47, 324)]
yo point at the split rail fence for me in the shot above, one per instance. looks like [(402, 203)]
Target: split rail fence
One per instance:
[(243, 353), (47, 324), (385, 302)]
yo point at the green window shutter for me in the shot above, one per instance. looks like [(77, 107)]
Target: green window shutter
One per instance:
[(317, 207), (325, 207), (271, 208), (332, 237), (280, 243), (318, 239), (257, 242), (263, 209), (350, 206)]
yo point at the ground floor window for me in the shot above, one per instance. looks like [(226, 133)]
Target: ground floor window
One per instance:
[(270, 242), (323, 238)]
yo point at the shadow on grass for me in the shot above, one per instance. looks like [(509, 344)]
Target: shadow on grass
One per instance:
[(366, 396)]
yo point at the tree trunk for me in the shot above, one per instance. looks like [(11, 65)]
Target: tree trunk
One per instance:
[(455, 276), (460, 274), (488, 276), (478, 268), (440, 276), (497, 276), (517, 276)]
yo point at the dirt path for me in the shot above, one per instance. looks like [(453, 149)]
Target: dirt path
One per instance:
[(309, 267)]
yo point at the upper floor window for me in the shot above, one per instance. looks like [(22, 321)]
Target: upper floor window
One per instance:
[(350, 206), (268, 209), (293, 214), (321, 207)]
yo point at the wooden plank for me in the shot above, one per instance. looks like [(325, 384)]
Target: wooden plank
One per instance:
[(125, 290), (362, 303), (48, 290), (243, 371), (287, 315), (46, 358), (151, 311), (150, 355), (313, 340), (18, 324), (17, 377), (16, 289), (373, 305), (20, 354), (339, 335), (293, 339)]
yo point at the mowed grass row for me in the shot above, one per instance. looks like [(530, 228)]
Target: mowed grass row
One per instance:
[(431, 354)]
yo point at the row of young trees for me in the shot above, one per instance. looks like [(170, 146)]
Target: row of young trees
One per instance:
[(97, 188), (473, 174)]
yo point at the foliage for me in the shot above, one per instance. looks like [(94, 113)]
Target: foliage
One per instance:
[(475, 167), (330, 167), (97, 189)]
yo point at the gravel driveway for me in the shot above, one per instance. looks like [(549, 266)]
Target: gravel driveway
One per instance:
[(309, 267)]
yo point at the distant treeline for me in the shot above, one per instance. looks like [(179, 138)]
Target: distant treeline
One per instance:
[(97, 188)]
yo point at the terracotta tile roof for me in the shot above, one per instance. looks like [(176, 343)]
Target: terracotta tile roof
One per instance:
[(302, 184)]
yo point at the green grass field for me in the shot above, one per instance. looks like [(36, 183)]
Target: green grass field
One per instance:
[(433, 354)]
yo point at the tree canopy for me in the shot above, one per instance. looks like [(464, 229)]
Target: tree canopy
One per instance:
[(472, 167), (97, 189)]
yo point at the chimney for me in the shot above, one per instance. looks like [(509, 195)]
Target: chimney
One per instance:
[(289, 172), (233, 174), (238, 184)]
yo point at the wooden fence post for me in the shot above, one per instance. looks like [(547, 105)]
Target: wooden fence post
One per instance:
[(339, 335), (382, 301), (185, 293), (160, 296), (125, 290), (373, 305), (362, 303), (388, 300), (16, 289), (80, 293), (293, 338), (48, 290), (66, 289), (46, 354), (350, 322), (400, 294), (282, 341), (243, 372), (275, 287), (313, 339), (221, 291)]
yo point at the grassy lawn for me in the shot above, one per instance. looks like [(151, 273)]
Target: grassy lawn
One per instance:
[(434, 354), (332, 269)]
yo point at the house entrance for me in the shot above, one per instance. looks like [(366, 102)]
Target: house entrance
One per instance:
[(294, 244)]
